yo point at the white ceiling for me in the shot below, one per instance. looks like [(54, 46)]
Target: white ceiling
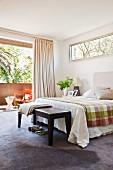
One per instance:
[(57, 19)]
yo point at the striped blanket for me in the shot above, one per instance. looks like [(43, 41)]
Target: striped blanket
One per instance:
[(98, 113)]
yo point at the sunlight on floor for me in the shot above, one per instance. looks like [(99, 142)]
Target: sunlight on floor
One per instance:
[(3, 108)]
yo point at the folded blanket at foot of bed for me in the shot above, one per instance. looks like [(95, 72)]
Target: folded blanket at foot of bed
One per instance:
[(27, 108)]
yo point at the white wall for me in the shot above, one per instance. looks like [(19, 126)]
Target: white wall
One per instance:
[(84, 69)]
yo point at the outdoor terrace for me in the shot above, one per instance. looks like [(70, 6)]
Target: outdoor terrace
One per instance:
[(8, 89)]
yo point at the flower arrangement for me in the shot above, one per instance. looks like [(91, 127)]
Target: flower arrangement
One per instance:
[(65, 83)]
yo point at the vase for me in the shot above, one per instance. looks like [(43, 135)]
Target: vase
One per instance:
[(65, 91)]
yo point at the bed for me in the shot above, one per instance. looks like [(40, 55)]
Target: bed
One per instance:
[(80, 131)]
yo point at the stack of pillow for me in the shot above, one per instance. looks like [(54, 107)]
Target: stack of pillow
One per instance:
[(101, 93)]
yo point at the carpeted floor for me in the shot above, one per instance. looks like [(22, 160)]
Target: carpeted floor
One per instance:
[(24, 150)]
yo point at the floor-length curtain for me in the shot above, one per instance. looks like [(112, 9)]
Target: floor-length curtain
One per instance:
[(43, 69)]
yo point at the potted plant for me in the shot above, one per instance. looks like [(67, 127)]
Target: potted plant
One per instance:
[(65, 84)]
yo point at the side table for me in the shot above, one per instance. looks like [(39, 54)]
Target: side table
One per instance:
[(9, 101)]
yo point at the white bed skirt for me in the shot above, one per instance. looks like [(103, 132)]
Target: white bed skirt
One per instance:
[(98, 131)]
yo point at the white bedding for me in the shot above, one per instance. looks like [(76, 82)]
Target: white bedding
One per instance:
[(80, 133)]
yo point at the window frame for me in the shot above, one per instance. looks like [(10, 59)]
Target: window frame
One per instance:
[(15, 43), (82, 42)]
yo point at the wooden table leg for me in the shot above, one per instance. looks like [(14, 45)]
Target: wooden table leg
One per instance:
[(50, 130), (34, 119), (68, 123), (19, 119)]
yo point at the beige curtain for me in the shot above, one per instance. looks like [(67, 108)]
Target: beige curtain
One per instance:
[(43, 69)]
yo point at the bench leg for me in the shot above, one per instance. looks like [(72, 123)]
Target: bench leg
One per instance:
[(50, 131), (68, 123), (34, 119), (19, 119)]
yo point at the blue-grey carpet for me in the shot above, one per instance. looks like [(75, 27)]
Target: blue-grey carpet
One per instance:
[(24, 150)]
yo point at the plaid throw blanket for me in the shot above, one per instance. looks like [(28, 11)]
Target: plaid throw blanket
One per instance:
[(98, 113)]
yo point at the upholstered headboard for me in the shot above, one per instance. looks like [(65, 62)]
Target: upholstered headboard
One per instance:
[(103, 79)]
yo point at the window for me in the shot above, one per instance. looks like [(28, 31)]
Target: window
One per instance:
[(92, 48), (15, 61)]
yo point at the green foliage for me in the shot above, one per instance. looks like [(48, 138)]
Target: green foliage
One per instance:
[(5, 60), (15, 64), (65, 83)]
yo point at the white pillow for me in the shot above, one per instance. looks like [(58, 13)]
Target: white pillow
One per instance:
[(92, 93), (104, 94), (100, 88), (89, 94)]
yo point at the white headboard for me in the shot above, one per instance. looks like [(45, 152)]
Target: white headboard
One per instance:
[(103, 79)]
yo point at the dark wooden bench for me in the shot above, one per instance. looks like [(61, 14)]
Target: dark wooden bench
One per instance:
[(51, 113)]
